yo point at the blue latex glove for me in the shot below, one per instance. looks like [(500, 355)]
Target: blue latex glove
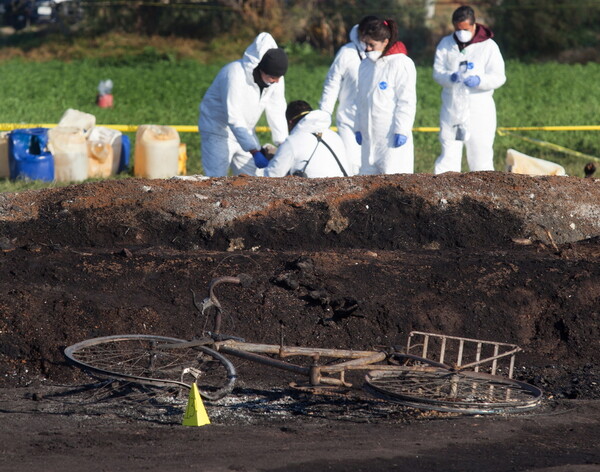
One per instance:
[(399, 140), (470, 65), (358, 137), (260, 160), (472, 81), (454, 77)]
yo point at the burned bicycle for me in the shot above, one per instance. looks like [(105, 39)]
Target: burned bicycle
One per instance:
[(433, 372)]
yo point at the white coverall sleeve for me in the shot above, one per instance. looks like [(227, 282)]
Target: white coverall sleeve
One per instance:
[(359, 114), (281, 163), (405, 98), (360, 99), (333, 82), (494, 76), (441, 73), (235, 96), (275, 112)]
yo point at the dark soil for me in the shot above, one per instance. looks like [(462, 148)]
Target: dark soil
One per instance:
[(348, 263)]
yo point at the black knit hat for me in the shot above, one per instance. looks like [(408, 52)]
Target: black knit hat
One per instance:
[(274, 62)]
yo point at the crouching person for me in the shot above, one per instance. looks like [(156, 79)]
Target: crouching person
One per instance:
[(311, 149), (233, 104)]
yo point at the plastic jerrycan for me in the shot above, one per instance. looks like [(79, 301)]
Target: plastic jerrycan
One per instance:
[(156, 153), (182, 165), (519, 163), (101, 157), (4, 167), (28, 155), (69, 148), (104, 146), (78, 119), (125, 152)]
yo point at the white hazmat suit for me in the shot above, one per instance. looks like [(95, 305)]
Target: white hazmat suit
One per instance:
[(231, 108), (302, 150), (484, 60), (386, 105), (341, 84)]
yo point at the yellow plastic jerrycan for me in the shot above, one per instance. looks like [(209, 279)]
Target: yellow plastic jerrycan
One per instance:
[(104, 161), (4, 166), (182, 166), (156, 153), (69, 150), (101, 157)]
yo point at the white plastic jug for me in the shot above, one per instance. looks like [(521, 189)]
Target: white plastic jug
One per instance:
[(100, 162), (519, 163), (69, 149), (4, 166), (156, 152), (78, 119)]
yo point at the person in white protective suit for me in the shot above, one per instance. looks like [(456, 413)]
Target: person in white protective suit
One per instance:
[(341, 84), (469, 66), (386, 102), (311, 149), (233, 104)]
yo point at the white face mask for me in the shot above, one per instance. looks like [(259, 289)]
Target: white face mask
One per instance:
[(464, 36), (373, 55)]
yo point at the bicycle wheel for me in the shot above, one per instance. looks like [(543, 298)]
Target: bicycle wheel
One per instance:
[(440, 389), (156, 360)]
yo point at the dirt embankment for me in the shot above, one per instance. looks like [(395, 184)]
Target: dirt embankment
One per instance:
[(476, 210)]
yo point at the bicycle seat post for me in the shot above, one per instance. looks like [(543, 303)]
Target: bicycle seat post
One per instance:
[(315, 371), (280, 334)]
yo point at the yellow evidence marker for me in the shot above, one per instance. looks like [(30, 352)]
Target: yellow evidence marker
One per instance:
[(195, 413)]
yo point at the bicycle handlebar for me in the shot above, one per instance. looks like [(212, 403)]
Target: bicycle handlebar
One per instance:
[(212, 300)]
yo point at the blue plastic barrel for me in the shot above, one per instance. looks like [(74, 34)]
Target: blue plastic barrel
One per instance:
[(125, 152), (28, 155)]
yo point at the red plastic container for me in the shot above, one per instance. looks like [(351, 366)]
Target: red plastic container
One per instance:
[(105, 101)]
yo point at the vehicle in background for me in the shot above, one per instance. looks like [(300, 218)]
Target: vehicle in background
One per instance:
[(23, 13)]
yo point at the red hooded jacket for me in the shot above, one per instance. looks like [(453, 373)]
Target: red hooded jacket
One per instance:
[(397, 48)]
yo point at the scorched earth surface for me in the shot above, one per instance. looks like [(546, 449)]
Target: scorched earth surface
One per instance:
[(347, 263)]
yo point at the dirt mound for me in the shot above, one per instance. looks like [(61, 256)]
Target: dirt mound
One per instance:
[(353, 262), (476, 210)]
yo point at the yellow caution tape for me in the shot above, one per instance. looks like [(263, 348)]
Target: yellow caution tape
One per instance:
[(265, 129), (122, 128), (426, 129), (550, 128), (430, 129), (11, 126), (546, 144)]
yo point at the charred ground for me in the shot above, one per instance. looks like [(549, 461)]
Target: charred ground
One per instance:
[(350, 263)]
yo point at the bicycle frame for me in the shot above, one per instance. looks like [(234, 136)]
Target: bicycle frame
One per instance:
[(360, 360), (317, 374)]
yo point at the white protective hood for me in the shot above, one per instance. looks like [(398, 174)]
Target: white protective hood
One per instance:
[(316, 121), (254, 53), (301, 147), (357, 42)]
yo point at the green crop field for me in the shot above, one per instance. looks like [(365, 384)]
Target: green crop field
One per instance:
[(158, 89)]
